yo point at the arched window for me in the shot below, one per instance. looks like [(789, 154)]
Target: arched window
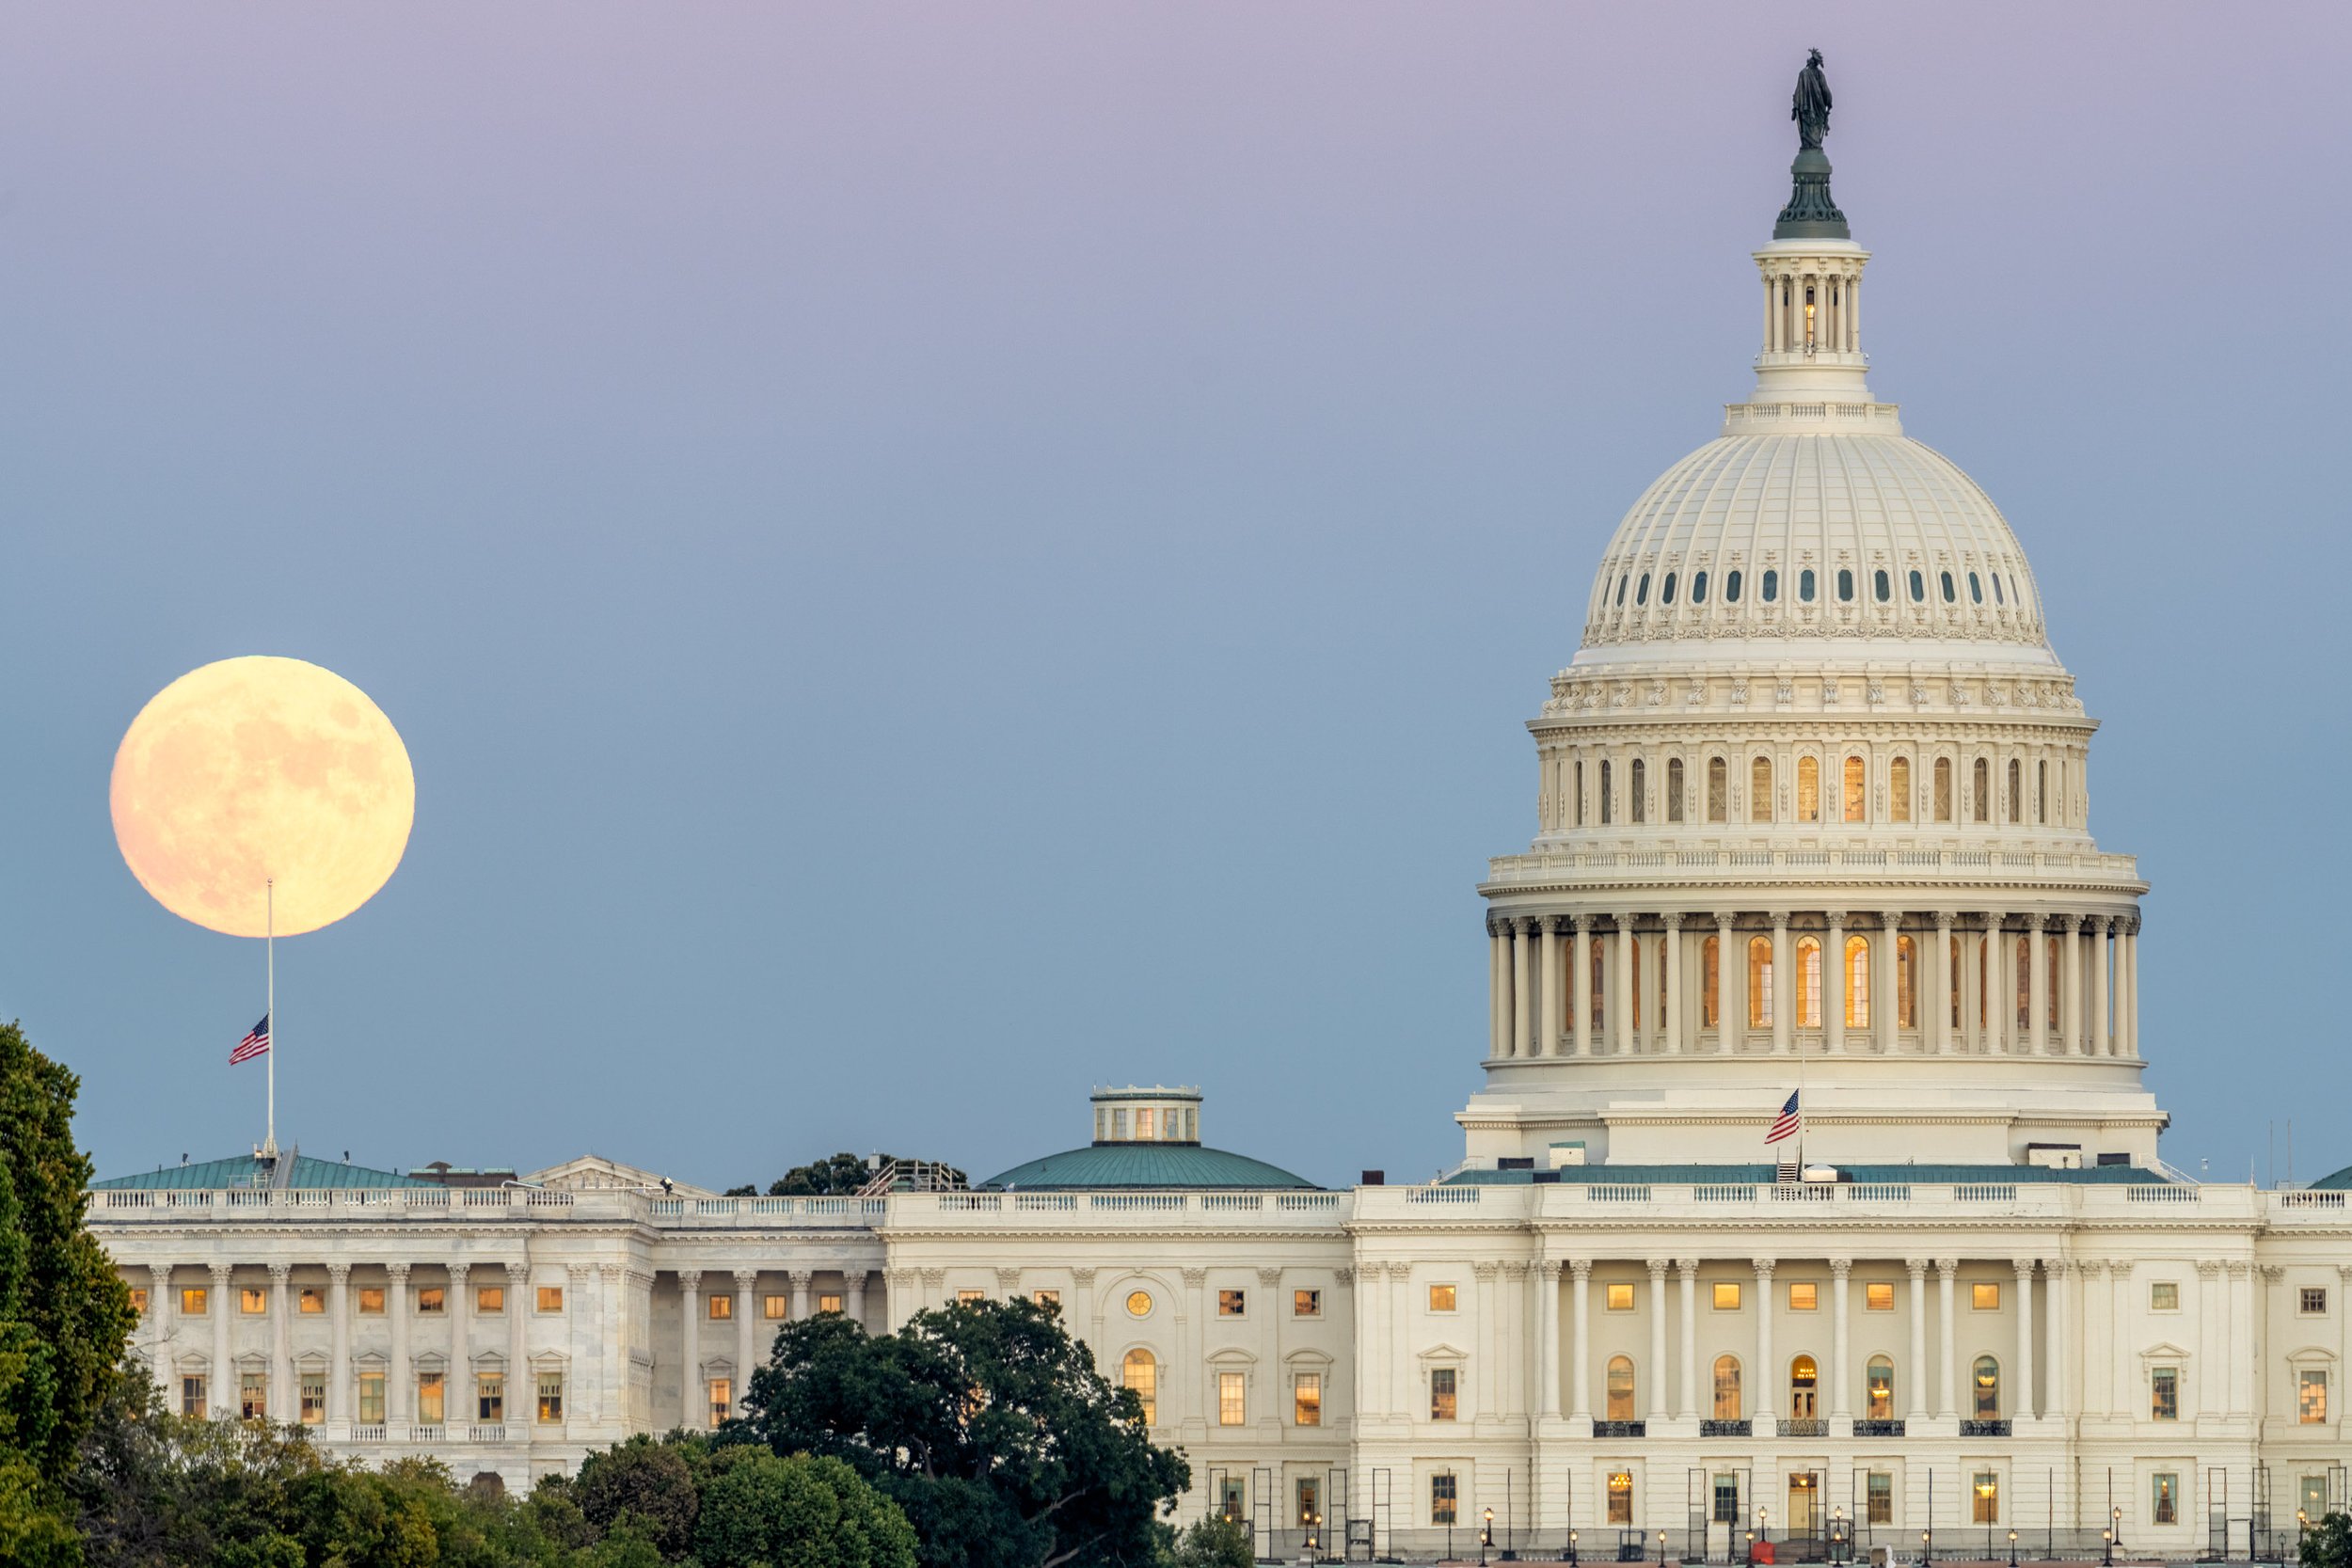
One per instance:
[(1674, 789), (1728, 1388), (1640, 590), (1637, 803), (1772, 586), (1598, 984), (1943, 789), (1808, 789), (1808, 982), (1580, 815), (1605, 781), (2050, 991), (1731, 586), (2012, 588), (1760, 790), (1141, 1373), (2023, 971), (1804, 1382), (1906, 983), (1845, 585), (1980, 791), (1622, 580), (1881, 588), (1857, 795), (1620, 1386), (1710, 983), (1898, 790), (1953, 971), (1804, 585), (1760, 982), (1718, 789), (2042, 793), (1918, 586), (1857, 982), (1698, 587), (1667, 588), (1998, 599), (1950, 596), (1976, 589), (2016, 792), (1985, 1381), (1878, 1389)]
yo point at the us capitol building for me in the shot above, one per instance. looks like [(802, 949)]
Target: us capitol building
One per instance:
[(1812, 817)]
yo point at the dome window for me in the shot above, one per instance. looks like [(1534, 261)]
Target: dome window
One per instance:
[(1976, 589), (1996, 590), (1666, 590), (1804, 584), (1731, 586), (1881, 588), (1698, 587), (1949, 595), (1845, 585), (2013, 590), (1918, 586), (1623, 580), (1641, 588)]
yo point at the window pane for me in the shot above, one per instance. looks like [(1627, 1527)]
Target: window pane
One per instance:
[(776, 1308), (1441, 1394), (1803, 1296), (252, 1301), (722, 1305), (311, 1301), (313, 1398), (490, 1298), (1441, 1499), (192, 1395), (1620, 1388), (1881, 1497), (489, 1397), (431, 1298), (370, 1300), (1728, 1295), (1620, 1497), (1620, 1298), (1986, 1498), (1985, 1297), (2164, 1295), (1231, 1410), (1727, 1388), (828, 1302), (1878, 1297), (1760, 790), (550, 1395), (1857, 796), (1141, 1372), (253, 1395), (550, 1298), (1231, 1304), (721, 1399), (429, 1399), (1307, 1399), (1441, 1298), (2164, 1497), (371, 1397), (2311, 1398), (1305, 1304)]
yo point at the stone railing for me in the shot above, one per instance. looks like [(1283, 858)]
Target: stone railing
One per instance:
[(488, 1207), (1738, 864), (1831, 1204), (1210, 1211)]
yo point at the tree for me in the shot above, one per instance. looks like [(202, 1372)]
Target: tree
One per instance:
[(2328, 1543), (838, 1177), (763, 1511), (65, 1314), (649, 1482), (1213, 1543), (986, 1423)]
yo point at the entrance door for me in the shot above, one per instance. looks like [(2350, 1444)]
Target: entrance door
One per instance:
[(1805, 1505), (1803, 1378)]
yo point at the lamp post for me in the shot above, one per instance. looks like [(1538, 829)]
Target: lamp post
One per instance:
[(1662, 1550), (2107, 1552), (1927, 1546), (2013, 1549), (2115, 1531), (1314, 1542), (1837, 1533), (2302, 1528), (1572, 1557), (1751, 1557), (1485, 1535)]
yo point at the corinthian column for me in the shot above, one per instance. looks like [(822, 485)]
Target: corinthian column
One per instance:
[(1887, 1012), (1673, 1013), (1498, 989), (1946, 1270), (1522, 1002), (1580, 986), (399, 1397), (457, 1395), (1548, 1037), (1784, 987), (1731, 986), (1580, 1340), (1687, 1272), (2037, 986), (1767, 1378), (2024, 1408), (2102, 1021), (224, 1383), (284, 1403), (1657, 1339), (339, 1373), (1916, 1373), (746, 1341), (1621, 1004), (1840, 1373), (689, 1283), (2070, 989), (1833, 988), (1938, 1032), (159, 1305)]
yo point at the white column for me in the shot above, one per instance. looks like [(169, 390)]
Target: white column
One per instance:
[(1886, 1018), (692, 1414), (2102, 1015), (1767, 1375), (1580, 986), (457, 1391), (2119, 1313), (1522, 1025), (1580, 1340), (1841, 1373), (2059, 1312), (2097, 1398), (1783, 987), (1485, 1374), (1688, 1271), (338, 1373), (853, 1301), (1657, 1373), (2070, 989), (1731, 985), (1833, 985), (1939, 1030), (1548, 1038), (2000, 989), (1916, 1374), (1971, 1005), (400, 1401), (1946, 1269), (1672, 1018), (1548, 1337), (1618, 1007), (746, 1333), (522, 1390), (224, 1382), (1498, 989), (2131, 988), (2241, 1338), (800, 1279), (159, 1304), (285, 1401), (2022, 1405), (2037, 986)]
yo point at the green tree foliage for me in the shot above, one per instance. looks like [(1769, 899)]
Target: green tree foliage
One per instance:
[(763, 1511), (64, 1312), (986, 1423), (1213, 1543), (649, 1482), (838, 1177), (2328, 1543)]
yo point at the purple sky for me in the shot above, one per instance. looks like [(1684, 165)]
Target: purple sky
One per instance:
[(932, 556)]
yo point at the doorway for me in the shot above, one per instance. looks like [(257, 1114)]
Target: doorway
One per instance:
[(1805, 1505), (1803, 1381)]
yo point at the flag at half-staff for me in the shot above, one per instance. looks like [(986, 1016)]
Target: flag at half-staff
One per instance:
[(1786, 1126), (256, 1043)]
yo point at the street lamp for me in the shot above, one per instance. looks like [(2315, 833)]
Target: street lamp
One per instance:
[(1750, 1550), (1314, 1542), (2013, 1549), (2106, 1553), (1837, 1533), (2115, 1531), (1485, 1535), (1927, 1546), (1662, 1550), (2302, 1528), (1572, 1558)]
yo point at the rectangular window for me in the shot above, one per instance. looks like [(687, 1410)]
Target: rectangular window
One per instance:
[(1441, 1497), (1308, 1500), (1620, 1298), (253, 1395), (2311, 1398), (722, 1307), (1144, 1131), (490, 1298), (827, 1302), (1232, 1499), (192, 1394), (1441, 1402), (431, 1298), (2164, 1394), (1232, 1400), (370, 1300), (193, 1301), (371, 1397), (550, 1397), (1118, 1125), (1878, 1297), (1726, 1497), (1305, 1304), (489, 1397), (138, 1300), (314, 1398), (1621, 1496), (252, 1303), (2312, 1301), (966, 1298), (310, 1301), (1441, 1298), (2314, 1494), (2164, 1295), (1307, 1399), (776, 1308), (430, 1387), (1803, 1296), (721, 1399), (1985, 1297), (1233, 1303), (1728, 1295), (550, 1298), (1984, 1497), (1881, 1498), (2165, 1497)]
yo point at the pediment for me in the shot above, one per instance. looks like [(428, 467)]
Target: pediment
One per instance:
[(2164, 1352), (592, 1173), (1442, 1351)]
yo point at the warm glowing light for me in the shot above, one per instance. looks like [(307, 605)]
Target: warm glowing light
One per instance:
[(259, 768)]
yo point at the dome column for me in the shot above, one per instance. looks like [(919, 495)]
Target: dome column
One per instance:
[(1548, 1038), (1521, 1025), (1731, 986), (1938, 1034), (1784, 993), (1834, 997), (2130, 1042), (2070, 989), (1885, 1013), (2037, 986), (2000, 989), (1672, 1013), (1621, 994), (1580, 986), (1497, 986), (2102, 1028)]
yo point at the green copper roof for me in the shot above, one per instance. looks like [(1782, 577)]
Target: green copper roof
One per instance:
[(247, 1171), (2340, 1181), (1634, 1176), (1144, 1166)]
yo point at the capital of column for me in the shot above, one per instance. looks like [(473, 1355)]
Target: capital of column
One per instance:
[(1083, 1278), (1947, 1267), (1269, 1278), (2024, 1269), (1840, 1267), (1892, 920), (1194, 1278), (1834, 917), (1780, 921), (2131, 926), (746, 1278), (1944, 918), (1657, 1267), (397, 1273), (1581, 1268), (689, 1279), (163, 1275), (1514, 1268), (1528, 924), (2272, 1271), (1554, 924), (1625, 923), (1764, 1267), (1674, 920), (1398, 1271), (2053, 1267), (1686, 1267), (1007, 1279), (1344, 1274), (222, 1274), (516, 1269), (1583, 923), (1497, 927), (2238, 1270), (339, 1273), (933, 1279), (457, 1273), (1725, 920), (2209, 1267), (1918, 1267), (1484, 1271), (2089, 1268), (280, 1273)]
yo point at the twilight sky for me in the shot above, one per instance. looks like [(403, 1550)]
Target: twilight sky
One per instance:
[(932, 556)]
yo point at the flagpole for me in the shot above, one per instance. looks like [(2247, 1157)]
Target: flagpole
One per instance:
[(269, 927)]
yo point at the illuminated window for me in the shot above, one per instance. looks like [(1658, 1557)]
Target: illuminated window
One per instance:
[(550, 1298), (431, 1298), (314, 1398), (192, 1394), (1305, 1304), (1727, 1388), (1620, 1298), (489, 1397), (2164, 1394), (1808, 789), (1943, 789), (488, 1298), (1441, 1298), (1233, 1303), (1760, 790), (1139, 1303), (722, 1307), (1619, 1380), (1710, 983), (1441, 1499), (1877, 1297), (1898, 790), (138, 1300), (1141, 1372), (253, 1395), (2165, 1497), (429, 1390), (1306, 1502), (2164, 1295), (1986, 1498), (193, 1301), (310, 1301), (1906, 983), (1118, 1124), (965, 1298), (1050, 1300), (1726, 1296), (1804, 1382), (1985, 1296), (1808, 982), (550, 1397), (1803, 1295), (1307, 1399), (1441, 1394), (370, 1398), (830, 1301), (1232, 1400), (1760, 982), (2017, 793), (1620, 1497), (775, 1309), (1857, 982), (1855, 799), (1233, 1499), (2311, 1398), (252, 1303), (1881, 1492), (1718, 789), (1985, 1382), (721, 1399), (2312, 1301), (1878, 1387)]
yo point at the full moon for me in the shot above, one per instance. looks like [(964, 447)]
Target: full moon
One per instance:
[(261, 768)]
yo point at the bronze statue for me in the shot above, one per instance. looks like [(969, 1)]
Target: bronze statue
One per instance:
[(1809, 107)]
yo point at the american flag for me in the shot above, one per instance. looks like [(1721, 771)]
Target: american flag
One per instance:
[(1785, 1127), (256, 1043)]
